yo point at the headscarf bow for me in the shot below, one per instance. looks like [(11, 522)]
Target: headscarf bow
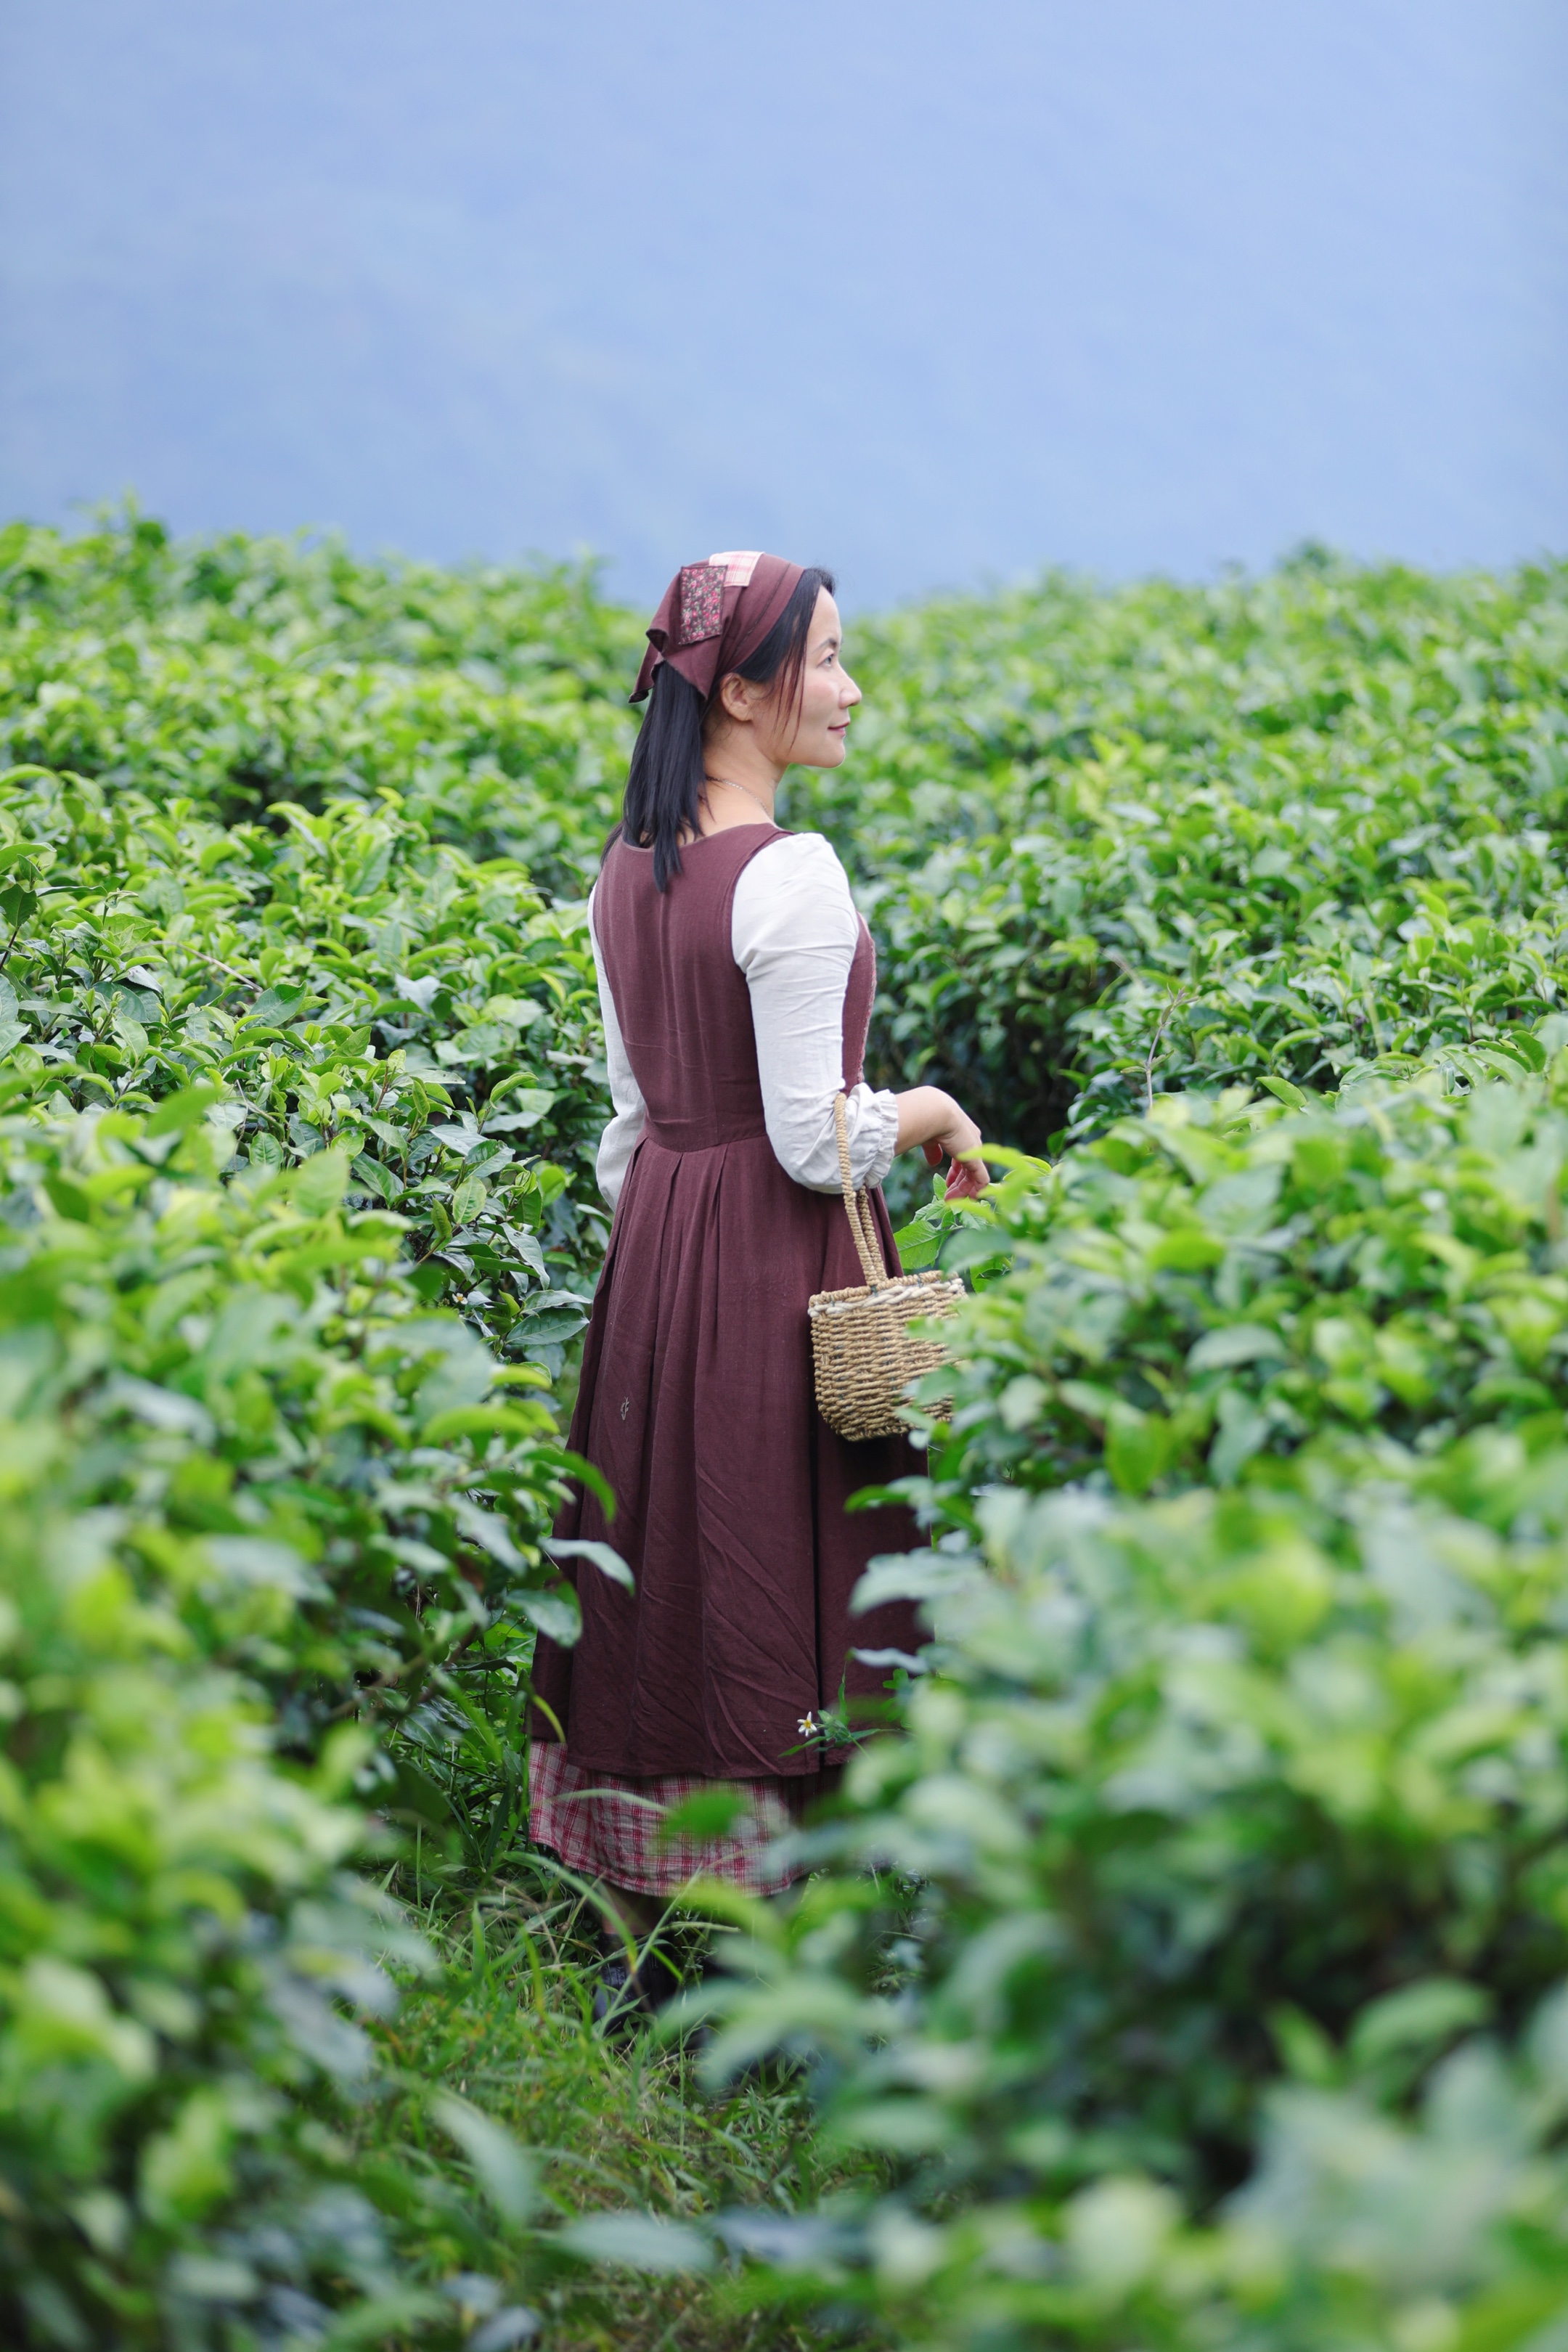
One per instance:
[(714, 615)]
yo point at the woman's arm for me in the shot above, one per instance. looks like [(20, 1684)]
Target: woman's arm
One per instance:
[(794, 931), (928, 1117), (624, 1133)]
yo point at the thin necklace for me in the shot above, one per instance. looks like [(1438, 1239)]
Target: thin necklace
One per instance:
[(735, 787)]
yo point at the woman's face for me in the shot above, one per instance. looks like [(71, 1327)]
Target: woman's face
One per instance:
[(812, 732)]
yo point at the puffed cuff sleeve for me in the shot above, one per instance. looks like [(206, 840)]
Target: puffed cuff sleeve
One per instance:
[(794, 930), (624, 1133)]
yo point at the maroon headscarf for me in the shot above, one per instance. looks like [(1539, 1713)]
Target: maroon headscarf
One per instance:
[(714, 615)]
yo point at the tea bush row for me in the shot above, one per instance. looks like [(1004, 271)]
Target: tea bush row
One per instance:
[(247, 1471), (1120, 843), (240, 672), (1202, 1987), (1204, 1291), (1112, 843), (343, 982), (300, 1108), (247, 1183), (1222, 1862)]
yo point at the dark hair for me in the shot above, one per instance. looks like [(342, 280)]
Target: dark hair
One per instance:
[(665, 781)]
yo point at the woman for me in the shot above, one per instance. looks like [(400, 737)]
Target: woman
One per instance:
[(736, 979)]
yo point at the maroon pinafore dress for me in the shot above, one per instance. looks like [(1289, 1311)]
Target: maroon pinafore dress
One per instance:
[(696, 1405)]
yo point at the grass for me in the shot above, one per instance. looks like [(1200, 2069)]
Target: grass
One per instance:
[(505, 2021)]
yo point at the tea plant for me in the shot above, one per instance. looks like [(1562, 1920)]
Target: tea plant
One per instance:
[(237, 673), (1261, 1783), (1200, 1293), (1115, 845), (340, 983), (1188, 1969), (178, 1911)]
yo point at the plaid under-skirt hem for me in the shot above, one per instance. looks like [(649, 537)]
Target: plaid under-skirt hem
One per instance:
[(609, 1827)]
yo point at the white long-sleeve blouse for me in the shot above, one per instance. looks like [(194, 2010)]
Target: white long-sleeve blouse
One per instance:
[(794, 930)]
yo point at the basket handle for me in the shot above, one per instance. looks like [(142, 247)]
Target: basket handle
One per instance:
[(867, 1241)]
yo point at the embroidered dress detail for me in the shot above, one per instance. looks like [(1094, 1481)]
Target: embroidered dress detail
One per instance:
[(608, 1826), (702, 602)]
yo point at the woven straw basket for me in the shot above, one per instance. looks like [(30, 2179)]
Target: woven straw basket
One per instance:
[(863, 1351)]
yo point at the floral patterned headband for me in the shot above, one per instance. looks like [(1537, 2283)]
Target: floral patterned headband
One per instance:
[(714, 615)]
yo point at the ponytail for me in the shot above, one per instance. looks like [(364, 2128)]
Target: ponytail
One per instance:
[(665, 781)]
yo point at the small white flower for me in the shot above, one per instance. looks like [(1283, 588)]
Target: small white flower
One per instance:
[(806, 1725)]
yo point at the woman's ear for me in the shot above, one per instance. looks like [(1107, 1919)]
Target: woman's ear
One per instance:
[(735, 699)]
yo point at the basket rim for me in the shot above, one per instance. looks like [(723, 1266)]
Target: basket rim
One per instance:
[(899, 1285)]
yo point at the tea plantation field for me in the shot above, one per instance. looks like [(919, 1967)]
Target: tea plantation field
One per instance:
[(1191, 1967)]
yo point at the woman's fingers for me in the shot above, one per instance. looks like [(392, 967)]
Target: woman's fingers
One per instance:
[(967, 1180), (933, 1155)]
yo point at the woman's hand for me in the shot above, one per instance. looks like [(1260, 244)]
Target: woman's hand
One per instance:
[(966, 1177), (931, 1118)]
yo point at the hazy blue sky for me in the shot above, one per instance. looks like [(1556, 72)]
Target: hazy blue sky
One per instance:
[(928, 292)]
